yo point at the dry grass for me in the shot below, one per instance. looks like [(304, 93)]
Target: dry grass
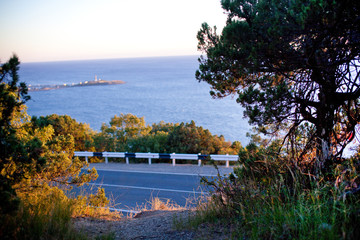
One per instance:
[(108, 212), (155, 204)]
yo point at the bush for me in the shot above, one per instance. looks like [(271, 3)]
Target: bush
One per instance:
[(128, 133), (267, 197), (45, 215)]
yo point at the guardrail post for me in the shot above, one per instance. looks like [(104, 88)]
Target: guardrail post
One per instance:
[(86, 159), (174, 161), (149, 160), (104, 154), (227, 162), (126, 158)]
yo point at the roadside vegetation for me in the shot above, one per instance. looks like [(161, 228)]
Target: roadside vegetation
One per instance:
[(294, 67), (129, 133), (269, 197), (38, 170)]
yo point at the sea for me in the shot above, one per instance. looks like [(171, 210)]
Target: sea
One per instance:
[(156, 88)]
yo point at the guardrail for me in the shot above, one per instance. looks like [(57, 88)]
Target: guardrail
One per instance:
[(174, 156)]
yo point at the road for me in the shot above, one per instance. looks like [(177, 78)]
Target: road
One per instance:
[(130, 187)]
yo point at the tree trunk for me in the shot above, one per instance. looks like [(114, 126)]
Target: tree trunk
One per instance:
[(323, 153), (324, 130)]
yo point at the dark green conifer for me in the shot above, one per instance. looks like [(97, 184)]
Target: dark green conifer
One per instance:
[(290, 62), (13, 95)]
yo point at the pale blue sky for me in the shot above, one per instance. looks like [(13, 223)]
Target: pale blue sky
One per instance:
[(52, 30)]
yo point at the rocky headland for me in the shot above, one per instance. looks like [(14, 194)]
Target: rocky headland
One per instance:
[(81, 84)]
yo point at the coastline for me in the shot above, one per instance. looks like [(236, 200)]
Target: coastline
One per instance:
[(81, 84)]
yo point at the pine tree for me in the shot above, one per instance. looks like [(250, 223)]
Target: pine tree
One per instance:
[(293, 63)]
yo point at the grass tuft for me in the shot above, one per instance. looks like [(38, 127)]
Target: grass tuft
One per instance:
[(47, 213)]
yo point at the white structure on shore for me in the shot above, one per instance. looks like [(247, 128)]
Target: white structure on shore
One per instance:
[(96, 79)]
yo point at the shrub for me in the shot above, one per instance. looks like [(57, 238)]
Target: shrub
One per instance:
[(44, 215), (267, 197)]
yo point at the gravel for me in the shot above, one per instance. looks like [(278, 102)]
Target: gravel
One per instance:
[(146, 225)]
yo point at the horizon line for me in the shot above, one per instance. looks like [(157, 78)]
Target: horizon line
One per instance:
[(110, 58)]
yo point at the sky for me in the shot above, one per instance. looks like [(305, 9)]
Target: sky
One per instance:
[(56, 30)]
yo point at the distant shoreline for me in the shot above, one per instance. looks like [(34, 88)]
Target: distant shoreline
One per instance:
[(33, 88)]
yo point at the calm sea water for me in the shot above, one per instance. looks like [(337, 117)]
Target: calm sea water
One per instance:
[(161, 88)]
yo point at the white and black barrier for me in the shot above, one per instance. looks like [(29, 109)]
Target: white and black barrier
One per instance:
[(174, 156)]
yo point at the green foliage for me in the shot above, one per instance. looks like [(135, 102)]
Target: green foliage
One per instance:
[(129, 126), (36, 159), (153, 142), (268, 198), (55, 152), (64, 125), (122, 128), (131, 134), (188, 138), (93, 205), (48, 213), (293, 63), (97, 200), (47, 218), (15, 156)]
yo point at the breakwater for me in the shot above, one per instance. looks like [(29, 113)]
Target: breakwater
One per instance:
[(80, 84)]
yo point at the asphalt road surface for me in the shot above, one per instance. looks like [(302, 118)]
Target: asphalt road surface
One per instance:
[(132, 186)]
